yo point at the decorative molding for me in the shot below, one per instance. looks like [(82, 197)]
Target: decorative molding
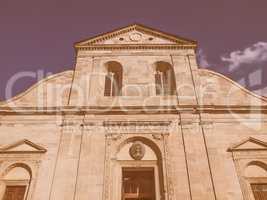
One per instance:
[(114, 140), (206, 124), (95, 43), (188, 124), (184, 123), (133, 127), (135, 47), (90, 124), (11, 148), (137, 150), (244, 153), (136, 123), (71, 123), (258, 145), (31, 111), (114, 136), (135, 27), (30, 121), (158, 136)]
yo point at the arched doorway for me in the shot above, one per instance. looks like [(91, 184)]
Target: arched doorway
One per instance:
[(256, 178), (17, 180), (139, 170)]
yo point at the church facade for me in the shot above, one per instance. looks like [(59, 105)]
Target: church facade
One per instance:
[(136, 119)]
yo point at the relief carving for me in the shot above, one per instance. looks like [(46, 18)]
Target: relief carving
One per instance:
[(115, 136), (137, 150), (158, 136), (133, 127)]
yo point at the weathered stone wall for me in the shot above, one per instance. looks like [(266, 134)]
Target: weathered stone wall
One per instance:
[(74, 164)]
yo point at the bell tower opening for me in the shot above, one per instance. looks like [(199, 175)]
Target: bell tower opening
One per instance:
[(138, 183)]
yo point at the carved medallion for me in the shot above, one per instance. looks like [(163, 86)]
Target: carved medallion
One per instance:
[(135, 37), (137, 150)]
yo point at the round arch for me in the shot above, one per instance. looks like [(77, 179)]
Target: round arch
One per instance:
[(113, 66), (255, 169), (165, 80), (113, 78), (258, 163), (21, 165), (16, 178), (144, 140), (159, 175)]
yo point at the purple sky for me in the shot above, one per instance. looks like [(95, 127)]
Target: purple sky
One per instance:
[(39, 35)]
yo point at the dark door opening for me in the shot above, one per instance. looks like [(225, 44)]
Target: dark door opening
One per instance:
[(259, 191), (16, 192), (138, 184)]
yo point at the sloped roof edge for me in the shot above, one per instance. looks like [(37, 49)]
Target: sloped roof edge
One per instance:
[(135, 26)]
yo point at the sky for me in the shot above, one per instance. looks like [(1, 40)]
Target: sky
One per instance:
[(37, 36)]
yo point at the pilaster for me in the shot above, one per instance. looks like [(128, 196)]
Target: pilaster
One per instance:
[(64, 182), (82, 81), (91, 166), (184, 82), (197, 158)]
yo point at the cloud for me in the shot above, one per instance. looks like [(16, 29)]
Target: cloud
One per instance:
[(255, 54), (202, 59)]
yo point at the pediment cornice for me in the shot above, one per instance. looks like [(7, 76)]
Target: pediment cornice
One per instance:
[(22, 147), (96, 43), (249, 144)]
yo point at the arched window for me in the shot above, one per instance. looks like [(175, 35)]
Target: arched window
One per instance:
[(17, 182), (113, 80), (256, 175), (165, 79)]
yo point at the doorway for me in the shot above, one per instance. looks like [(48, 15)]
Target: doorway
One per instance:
[(259, 191), (138, 183), (15, 192)]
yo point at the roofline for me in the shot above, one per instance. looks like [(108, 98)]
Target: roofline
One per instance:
[(136, 25)]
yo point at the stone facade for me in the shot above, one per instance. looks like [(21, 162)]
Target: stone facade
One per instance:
[(63, 139)]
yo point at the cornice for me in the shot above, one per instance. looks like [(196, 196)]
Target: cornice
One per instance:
[(138, 27), (136, 123), (102, 110), (135, 47), (9, 148)]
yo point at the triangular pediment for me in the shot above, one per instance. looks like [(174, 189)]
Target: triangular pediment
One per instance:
[(249, 145), (136, 34), (22, 146)]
